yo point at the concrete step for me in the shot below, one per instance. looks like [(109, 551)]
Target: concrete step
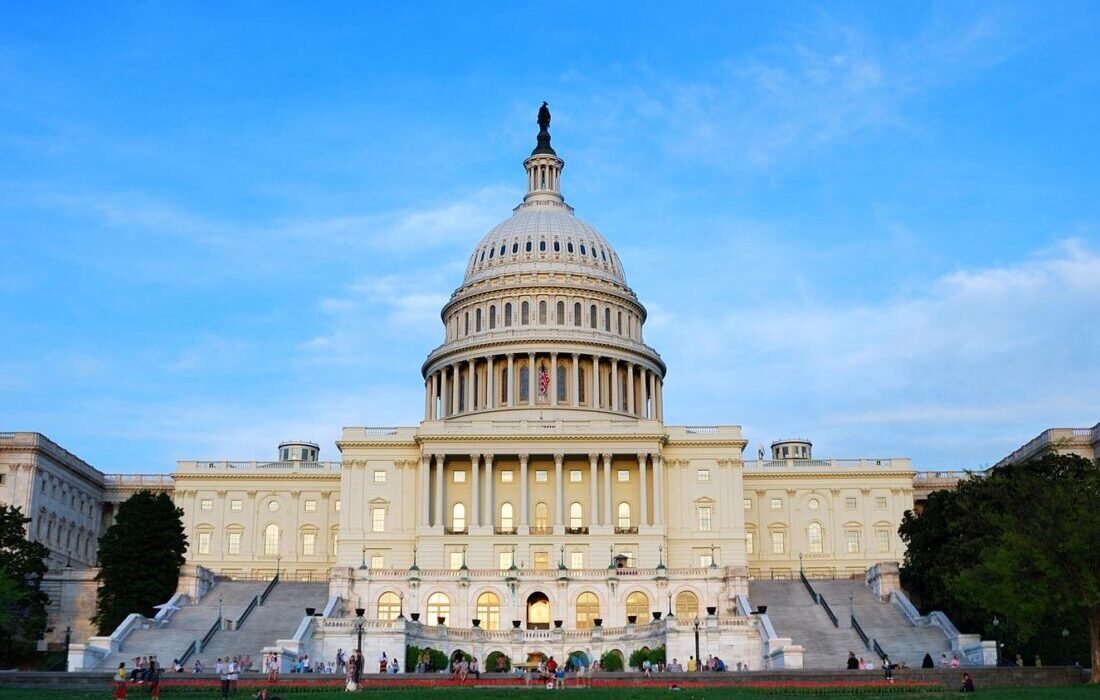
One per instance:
[(278, 618)]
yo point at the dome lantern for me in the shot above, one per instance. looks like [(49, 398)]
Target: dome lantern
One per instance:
[(544, 167)]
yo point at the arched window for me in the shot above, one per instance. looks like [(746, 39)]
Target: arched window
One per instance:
[(557, 246), (524, 384), (477, 321), (508, 314), (504, 385), (687, 605), (542, 515), (507, 516), (389, 606), (525, 313), (439, 608), (577, 315), (592, 316), (542, 313), (492, 317), (527, 247), (271, 539), (458, 517), (580, 385), (620, 322), (637, 603), (561, 313), (488, 610), (813, 536), (576, 515), (466, 324), (542, 246), (607, 319), (624, 514), (588, 609), (561, 384)]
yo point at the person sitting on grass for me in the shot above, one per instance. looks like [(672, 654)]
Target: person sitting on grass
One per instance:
[(967, 684)]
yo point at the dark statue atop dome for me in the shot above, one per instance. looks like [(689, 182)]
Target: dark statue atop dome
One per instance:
[(544, 132)]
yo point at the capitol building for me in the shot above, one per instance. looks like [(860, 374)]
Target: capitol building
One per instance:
[(541, 506)]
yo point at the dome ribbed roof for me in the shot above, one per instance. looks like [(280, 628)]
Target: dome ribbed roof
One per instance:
[(541, 238)]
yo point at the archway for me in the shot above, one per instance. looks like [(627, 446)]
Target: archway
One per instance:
[(538, 611), (579, 659)]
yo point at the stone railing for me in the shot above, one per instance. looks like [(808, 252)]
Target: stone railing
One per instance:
[(155, 480), (831, 464), (278, 466), (538, 574)]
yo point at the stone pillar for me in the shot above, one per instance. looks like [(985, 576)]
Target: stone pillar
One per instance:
[(643, 491), (576, 373), (608, 517), (435, 393), (471, 397), (630, 408), (531, 378), (553, 379), (659, 403), (593, 490), (559, 494), (595, 381), (443, 399), (425, 490), (615, 403), (523, 494), (439, 461), (643, 384), (475, 489), (490, 384), (455, 379), (511, 388), (428, 398), (651, 379), (658, 491), (490, 504)]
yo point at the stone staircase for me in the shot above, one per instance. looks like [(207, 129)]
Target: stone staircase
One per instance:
[(901, 640), (277, 618), (794, 614), (189, 623)]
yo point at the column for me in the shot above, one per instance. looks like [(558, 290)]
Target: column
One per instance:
[(595, 381), (490, 385), (475, 490), (425, 490), (608, 517), (659, 393), (490, 505), (643, 492), (615, 385), (443, 402), (658, 491), (559, 494), (435, 393), (511, 388), (576, 381), (427, 398), (553, 379), (523, 494), (593, 491), (438, 491), (531, 378), (653, 395), (455, 379), (643, 379), (471, 398), (630, 408)]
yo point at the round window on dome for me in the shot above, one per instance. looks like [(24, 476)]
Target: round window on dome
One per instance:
[(491, 251), (482, 256), (557, 246), (603, 254), (542, 246), (515, 247), (594, 252), (528, 246), (583, 251), (569, 247), (503, 247)]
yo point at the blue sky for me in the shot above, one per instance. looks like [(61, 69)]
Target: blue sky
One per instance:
[(875, 225)]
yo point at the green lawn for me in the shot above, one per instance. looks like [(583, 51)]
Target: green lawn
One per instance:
[(1071, 693)]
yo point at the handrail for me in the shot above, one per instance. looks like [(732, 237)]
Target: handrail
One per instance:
[(211, 632), (878, 649), (806, 583), (187, 654), (247, 611), (267, 591), (859, 630), (828, 610)]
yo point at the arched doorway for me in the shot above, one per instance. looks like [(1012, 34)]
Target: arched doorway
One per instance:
[(538, 611)]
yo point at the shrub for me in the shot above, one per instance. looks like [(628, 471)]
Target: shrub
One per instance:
[(611, 661), (491, 662)]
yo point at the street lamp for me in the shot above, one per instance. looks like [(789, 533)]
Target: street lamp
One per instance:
[(1065, 645), (698, 661), (359, 630), (996, 641)]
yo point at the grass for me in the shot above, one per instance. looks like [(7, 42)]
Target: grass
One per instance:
[(519, 693)]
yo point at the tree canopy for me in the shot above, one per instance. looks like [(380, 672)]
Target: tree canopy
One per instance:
[(22, 602), (140, 556), (1021, 545)]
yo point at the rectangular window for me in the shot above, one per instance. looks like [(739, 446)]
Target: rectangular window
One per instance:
[(850, 503), (702, 475), (506, 476), (204, 543), (540, 476), (311, 506), (337, 505), (880, 502), (309, 544), (704, 518), (378, 519), (459, 477), (379, 477), (853, 541), (748, 504), (777, 504), (576, 560), (779, 543), (206, 504), (455, 560), (542, 560), (236, 505), (883, 540), (624, 475), (749, 544), (234, 543), (705, 560), (377, 561), (504, 560), (575, 476)]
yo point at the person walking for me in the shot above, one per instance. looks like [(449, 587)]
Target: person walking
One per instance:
[(152, 676)]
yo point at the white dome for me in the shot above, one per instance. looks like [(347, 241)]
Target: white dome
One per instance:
[(543, 237)]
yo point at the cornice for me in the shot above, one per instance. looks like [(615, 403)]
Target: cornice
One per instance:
[(244, 476), (546, 342)]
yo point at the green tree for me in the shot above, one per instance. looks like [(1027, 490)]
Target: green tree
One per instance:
[(1022, 544), (140, 556), (22, 602)]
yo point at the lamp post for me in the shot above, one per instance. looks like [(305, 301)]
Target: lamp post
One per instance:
[(996, 641), (698, 661), (359, 630), (68, 640), (1065, 645)]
